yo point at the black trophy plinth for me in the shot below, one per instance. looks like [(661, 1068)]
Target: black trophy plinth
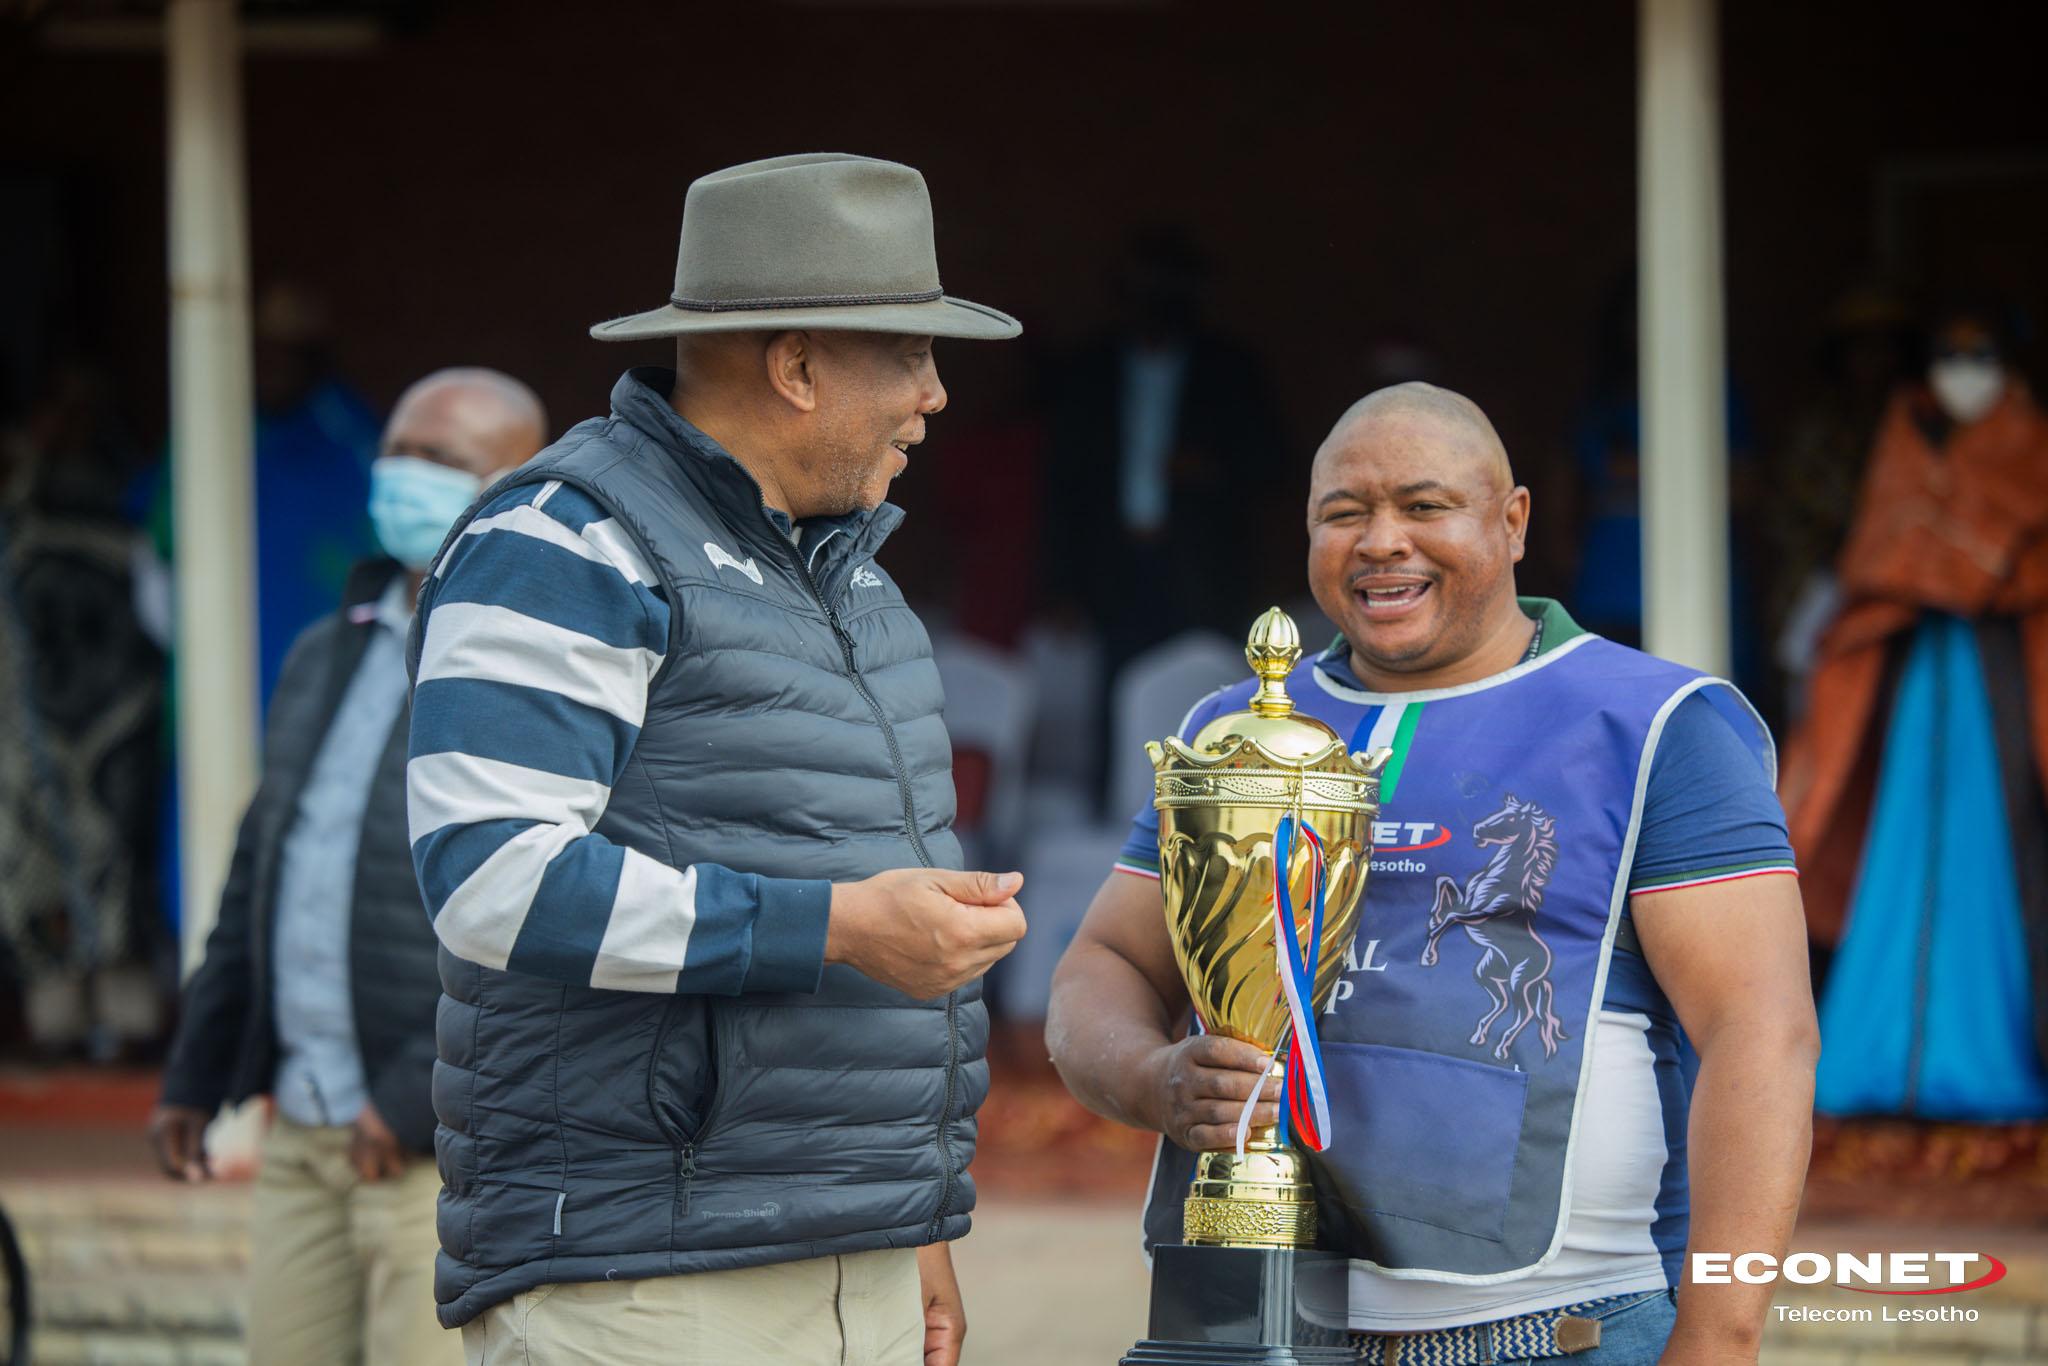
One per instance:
[(1233, 1306)]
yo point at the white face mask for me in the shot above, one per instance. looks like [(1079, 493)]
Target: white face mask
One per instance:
[(1966, 387)]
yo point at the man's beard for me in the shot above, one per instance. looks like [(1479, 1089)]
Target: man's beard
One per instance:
[(847, 478)]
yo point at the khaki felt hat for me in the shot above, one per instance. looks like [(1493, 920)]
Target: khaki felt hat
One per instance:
[(821, 240)]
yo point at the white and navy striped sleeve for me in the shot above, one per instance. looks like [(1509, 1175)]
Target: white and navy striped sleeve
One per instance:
[(545, 632)]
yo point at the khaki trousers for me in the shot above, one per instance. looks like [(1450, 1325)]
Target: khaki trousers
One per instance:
[(863, 1309), (342, 1268)]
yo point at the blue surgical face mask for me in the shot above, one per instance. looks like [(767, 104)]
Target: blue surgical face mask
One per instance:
[(413, 502)]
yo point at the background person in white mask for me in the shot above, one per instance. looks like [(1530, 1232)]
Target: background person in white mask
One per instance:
[(1914, 788), (319, 986)]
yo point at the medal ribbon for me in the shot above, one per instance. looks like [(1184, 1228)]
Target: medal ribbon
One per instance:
[(1304, 1098)]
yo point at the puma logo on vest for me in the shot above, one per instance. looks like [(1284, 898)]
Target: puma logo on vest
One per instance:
[(718, 556), (865, 577)]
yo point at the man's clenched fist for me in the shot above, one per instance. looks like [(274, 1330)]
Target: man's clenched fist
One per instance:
[(924, 931)]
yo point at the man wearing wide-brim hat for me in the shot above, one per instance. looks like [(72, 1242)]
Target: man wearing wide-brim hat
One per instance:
[(681, 801)]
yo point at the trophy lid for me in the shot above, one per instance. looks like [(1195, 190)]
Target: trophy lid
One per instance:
[(1272, 649)]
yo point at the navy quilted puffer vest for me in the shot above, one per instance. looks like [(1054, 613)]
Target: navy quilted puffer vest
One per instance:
[(793, 731)]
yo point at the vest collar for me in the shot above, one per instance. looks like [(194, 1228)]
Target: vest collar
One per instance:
[(640, 399), (1561, 635)]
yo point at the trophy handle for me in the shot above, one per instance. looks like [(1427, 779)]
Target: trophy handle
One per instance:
[(1371, 761)]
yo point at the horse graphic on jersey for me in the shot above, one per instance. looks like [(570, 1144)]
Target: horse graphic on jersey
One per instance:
[(1497, 909)]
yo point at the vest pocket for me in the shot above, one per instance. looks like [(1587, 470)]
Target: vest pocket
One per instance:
[(682, 1070), (512, 1223), (1423, 1136)]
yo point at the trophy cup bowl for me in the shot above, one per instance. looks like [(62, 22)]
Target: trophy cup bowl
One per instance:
[(1221, 799)]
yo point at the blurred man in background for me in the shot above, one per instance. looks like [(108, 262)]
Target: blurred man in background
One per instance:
[(1170, 429), (319, 985)]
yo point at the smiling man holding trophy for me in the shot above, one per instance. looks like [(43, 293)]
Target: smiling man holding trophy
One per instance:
[(1478, 1110)]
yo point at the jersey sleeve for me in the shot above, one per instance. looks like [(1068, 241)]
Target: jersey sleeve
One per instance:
[(1140, 855), (1710, 814), (545, 635)]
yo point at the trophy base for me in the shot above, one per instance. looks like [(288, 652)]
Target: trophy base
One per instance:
[(1236, 1306), (1260, 1199)]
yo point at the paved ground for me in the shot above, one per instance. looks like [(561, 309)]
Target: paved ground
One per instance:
[(1052, 1283), (132, 1270)]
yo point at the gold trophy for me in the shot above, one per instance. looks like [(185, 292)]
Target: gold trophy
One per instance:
[(1222, 799)]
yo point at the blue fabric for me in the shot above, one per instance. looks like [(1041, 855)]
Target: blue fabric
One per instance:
[(557, 734), (1709, 805), (1927, 1008), (1494, 941), (320, 1073), (312, 513), (312, 526), (1607, 442), (553, 584)]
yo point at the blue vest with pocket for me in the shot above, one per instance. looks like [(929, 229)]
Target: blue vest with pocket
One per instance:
[(1457, 1054)]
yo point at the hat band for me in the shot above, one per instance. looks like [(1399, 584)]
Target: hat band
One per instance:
[(927, 296)]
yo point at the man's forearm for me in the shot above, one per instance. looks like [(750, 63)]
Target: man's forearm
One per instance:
[(1750, 1138), (1104, 1028)]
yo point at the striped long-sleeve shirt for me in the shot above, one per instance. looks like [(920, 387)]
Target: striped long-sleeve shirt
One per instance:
[(545, 633)]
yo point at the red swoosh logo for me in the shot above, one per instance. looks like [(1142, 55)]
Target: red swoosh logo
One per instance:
[(1996, 1273), (1443, 837)]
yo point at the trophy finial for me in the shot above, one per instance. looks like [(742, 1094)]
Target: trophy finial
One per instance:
[(1273, 649)]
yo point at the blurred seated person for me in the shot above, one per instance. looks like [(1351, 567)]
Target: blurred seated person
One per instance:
[(319, 986), (1166, 460), (1914, 786)]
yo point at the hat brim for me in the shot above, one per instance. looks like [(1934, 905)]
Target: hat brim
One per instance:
[(942, 317)]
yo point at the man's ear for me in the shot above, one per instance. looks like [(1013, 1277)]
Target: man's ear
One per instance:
[(1516, 513), (792, 369)]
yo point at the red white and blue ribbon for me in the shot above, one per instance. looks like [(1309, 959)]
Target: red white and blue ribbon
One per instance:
[(1304, 1098)]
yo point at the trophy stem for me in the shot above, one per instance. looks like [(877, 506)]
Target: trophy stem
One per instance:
[(1260, 1198)]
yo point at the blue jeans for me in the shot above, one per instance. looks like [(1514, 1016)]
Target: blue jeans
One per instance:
[(1632, 1333)]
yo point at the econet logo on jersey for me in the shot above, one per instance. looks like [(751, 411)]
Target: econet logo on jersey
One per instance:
[(1405, 837), (1871, 1273)]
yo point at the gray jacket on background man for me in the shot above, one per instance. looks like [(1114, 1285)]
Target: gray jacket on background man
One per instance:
[(226, 1048)]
